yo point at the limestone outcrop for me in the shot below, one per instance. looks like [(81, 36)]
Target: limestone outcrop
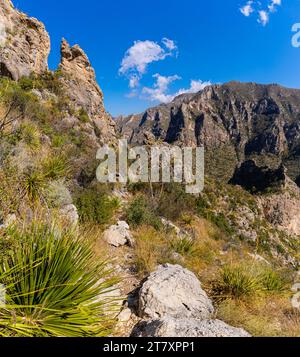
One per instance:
[(80, 84), (172, 303), (24, 43)]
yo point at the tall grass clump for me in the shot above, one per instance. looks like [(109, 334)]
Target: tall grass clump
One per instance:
[(54, 286)]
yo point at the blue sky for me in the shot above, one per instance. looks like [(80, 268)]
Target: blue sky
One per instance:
[(180, 41)]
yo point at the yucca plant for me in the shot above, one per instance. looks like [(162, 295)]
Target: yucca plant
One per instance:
[(33, 183), (55, 167), (236, 281), (55, 286), (184, 246)]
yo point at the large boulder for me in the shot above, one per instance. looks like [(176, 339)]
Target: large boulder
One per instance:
[(282, 208), (24, 43), (176, 292), (185, 328)]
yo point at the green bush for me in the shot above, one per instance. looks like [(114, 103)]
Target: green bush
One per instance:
[(57, 194), (174, 200), (139, 212), (47, 80), (55, 286), (95, 206)]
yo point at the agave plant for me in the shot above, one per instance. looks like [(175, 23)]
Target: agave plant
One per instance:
[(55, 286)]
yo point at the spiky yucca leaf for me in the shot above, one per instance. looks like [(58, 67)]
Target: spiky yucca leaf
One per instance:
[(55, 286)]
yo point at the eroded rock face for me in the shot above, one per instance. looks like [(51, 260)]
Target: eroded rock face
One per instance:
[(80, 83), (173, 291), (24, 45), (282, 209), (187, 328), (234, 122)]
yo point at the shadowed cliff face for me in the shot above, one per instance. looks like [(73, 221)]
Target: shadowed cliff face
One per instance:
[(235, 122), (258, 179), (25, 43)]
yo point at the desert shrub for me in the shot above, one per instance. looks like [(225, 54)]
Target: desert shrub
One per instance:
[(59, 140), (26, 83), (57, 194), (187, 219), (83, 116), (272, 281), (202, 205), (173, 201), (95, 206), (268, 316), (139, 212), (10, 190), (47, 80), (221, 222), (169, 200), (54, 286)]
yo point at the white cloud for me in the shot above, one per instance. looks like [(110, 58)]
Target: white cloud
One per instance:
[(247, 9), (263, 17), (170, 44), (263, 12), (160, 90), (195, 87), (138, 57), (273, 6)]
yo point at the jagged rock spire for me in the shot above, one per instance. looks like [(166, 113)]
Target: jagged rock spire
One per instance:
[(84, 90), (80, 83)]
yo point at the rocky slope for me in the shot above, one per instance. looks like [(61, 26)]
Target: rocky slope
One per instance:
[(251, 134)]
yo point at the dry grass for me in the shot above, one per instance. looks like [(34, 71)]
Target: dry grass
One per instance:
[(254, 295), (151, 249), (262, 316)]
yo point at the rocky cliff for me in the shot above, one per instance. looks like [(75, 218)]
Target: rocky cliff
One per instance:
[(235, 122), (24, 50), (79, 81), (25, 43)]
